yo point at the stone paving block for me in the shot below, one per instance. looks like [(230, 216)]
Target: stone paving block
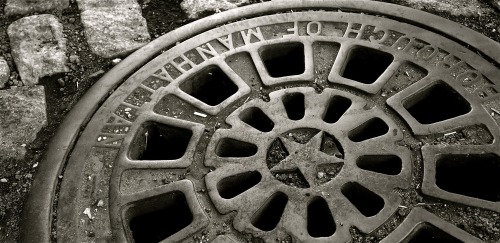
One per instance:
[(25, 7), (113, 28), (194, 8), (496, 4), (84, 5), (4, 72), (38, 47), (23, 113), (454, 7)]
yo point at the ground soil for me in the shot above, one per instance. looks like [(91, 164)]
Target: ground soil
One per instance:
[(162, 17)]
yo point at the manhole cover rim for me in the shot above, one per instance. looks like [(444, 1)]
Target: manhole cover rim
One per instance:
[(37, 212)]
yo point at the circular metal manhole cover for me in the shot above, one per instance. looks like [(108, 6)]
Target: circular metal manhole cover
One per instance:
[(305, 121)]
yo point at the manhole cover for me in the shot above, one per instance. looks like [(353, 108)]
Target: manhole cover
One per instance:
[(293, 122)]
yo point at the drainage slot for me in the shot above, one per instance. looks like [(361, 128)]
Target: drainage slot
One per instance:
[(228, 147), (336, 108), (367, 202), (294, 105), (372, 128), (159, 218), (470, 175), (269, 214), (256, 118), (283, 59), (384, 164), (210, 85), (155, 141), (320, 221), (365, 64), (233, 186), (428, 233), (436, 103)]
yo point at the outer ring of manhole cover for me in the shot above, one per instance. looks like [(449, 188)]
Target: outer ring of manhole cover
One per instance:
[(315, 121)]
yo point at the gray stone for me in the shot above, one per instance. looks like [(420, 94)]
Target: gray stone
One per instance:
[(85, 5), (194, 8), (38, 47), (4, 72), (23, 113), (496, 4), (454, 7), (113, 28), (25, 7)]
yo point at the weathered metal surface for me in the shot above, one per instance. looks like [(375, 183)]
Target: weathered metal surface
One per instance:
[(290, 126)]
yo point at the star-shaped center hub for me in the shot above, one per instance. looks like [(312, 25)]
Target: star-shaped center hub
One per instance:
[(305, 157)]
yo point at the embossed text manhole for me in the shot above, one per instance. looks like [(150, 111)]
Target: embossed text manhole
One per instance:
[(301, 121)]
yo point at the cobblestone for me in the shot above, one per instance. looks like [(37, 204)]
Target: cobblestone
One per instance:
[(496, 4), (113, 28), (454, 7), (25, 7), (4, 72), (23, 113), (195, 8), (85, 5), (38, 47)]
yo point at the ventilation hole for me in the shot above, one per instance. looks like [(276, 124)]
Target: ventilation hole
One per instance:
[(470, 175), (155, 141), (428, 233), (384, 164), (211, 86), (372, 128), (233, 186), (365, 65), (293, 178), (269, 215), (367, 202), (228, 147), (256, 118), (336, 108), (159, 218), (437, 103), (283, 59), (320, 221), (331, 146), (294, 105)]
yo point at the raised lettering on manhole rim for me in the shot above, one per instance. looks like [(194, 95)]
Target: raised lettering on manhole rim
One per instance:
[(302, 126)]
